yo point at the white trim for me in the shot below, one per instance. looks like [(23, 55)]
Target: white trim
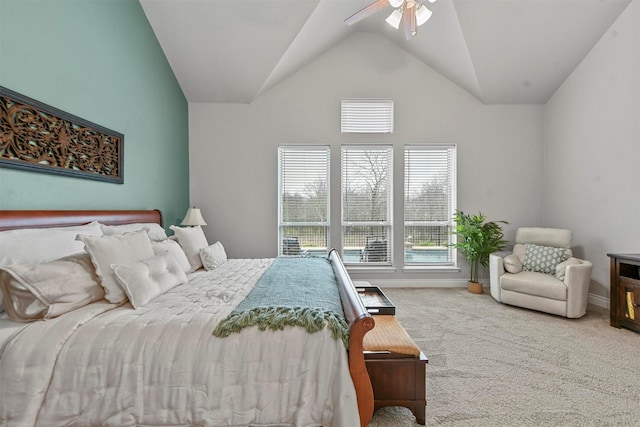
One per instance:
[(599, 301), (359, 269), (416, 283), (423, 268)]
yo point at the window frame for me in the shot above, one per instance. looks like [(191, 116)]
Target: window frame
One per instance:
[(388, 223), (449, 222), (327, 223)]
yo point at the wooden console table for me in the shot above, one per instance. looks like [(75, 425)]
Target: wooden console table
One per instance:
[(625, 291)]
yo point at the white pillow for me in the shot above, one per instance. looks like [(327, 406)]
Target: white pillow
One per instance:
[(118, 249), (174, 249), (144, 280), (512, 264), (156, 232), (192, 239), (32, 245), (47, 290), (213, 256)]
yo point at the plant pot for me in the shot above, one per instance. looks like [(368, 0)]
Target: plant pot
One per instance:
[(474, 287)]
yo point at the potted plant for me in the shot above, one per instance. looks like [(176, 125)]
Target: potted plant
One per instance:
[(477, 239)]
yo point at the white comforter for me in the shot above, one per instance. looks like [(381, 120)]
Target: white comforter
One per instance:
[(160, 365)]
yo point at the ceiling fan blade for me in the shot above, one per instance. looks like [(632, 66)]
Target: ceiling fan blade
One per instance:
[(367, 11), (409, 21)]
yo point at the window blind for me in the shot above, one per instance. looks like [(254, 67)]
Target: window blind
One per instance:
[(429, 203), (367, 204), (303, 208), (367, 116)]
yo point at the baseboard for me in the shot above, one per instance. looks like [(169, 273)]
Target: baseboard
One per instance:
[(418, 283), (594, 299), (599, 301)]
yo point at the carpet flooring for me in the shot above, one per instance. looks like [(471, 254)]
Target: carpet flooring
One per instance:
[(495, 365)]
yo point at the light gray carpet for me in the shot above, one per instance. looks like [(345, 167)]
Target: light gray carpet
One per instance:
[(495, 365)]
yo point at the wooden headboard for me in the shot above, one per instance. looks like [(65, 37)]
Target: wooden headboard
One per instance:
[(12, 219)]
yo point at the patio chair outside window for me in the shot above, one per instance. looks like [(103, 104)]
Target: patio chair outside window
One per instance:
[(375, 249), (290, 246)]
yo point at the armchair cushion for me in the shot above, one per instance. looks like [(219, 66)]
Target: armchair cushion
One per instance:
[(512, 263), (542, 259), (536, 284), (556, 237)]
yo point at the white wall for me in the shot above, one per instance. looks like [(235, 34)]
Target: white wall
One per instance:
[(592, 150), (233, 147)]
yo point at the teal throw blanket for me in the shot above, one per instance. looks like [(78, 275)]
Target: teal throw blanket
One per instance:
[(292, 292)]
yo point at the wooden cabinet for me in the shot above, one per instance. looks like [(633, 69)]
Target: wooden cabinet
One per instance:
[(625, 291), (399, 380)]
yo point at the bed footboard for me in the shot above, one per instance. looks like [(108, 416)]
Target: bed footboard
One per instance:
[(360, 322)]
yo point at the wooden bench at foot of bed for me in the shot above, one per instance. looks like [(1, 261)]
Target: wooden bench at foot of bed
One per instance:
[(396, 367)]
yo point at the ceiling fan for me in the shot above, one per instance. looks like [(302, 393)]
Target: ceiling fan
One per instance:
[(409, 13)]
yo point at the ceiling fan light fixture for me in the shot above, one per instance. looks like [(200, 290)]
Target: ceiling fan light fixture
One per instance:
[(422, 15), (395, 18), (396, 3)]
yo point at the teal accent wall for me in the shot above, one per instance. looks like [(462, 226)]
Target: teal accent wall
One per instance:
[(99, 60)]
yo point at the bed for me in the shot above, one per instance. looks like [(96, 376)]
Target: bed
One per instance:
[(159, 364)]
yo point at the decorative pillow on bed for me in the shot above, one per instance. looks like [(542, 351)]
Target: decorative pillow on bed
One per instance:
[(174, 249), (117, 249), (144, 280), (156, 232), (31, 245), (44, 291), (213, 256), (192, 239), (542, 259)]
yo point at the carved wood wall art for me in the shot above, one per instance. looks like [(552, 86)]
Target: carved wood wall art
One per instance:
[(40, 138)]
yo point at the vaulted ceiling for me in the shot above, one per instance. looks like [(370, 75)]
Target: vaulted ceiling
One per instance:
[(500, 51)]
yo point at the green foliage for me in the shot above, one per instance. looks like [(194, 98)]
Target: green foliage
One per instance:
[(477, 239)]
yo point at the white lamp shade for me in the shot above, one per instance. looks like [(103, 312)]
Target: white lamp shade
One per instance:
[(193, 218), (422, 15), (396, 3), (394, 19)]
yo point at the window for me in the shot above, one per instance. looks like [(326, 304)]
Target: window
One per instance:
[(303, 205), (366, 116), (429, 204), (366, 204)]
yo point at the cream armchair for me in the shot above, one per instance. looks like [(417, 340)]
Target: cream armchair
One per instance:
[(541, 273)]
